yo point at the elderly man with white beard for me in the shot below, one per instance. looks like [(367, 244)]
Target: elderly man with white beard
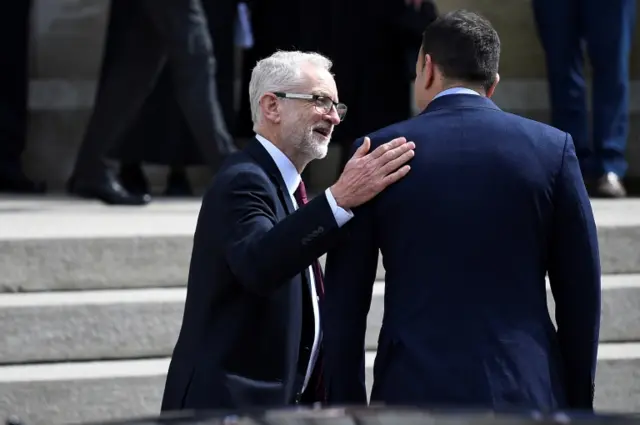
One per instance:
[(251, 332)]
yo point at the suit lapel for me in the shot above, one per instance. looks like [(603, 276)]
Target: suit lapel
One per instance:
[(260, 154), (262, 157), (285, 197)]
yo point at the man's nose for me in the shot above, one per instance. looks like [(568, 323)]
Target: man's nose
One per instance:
[(333, 116)]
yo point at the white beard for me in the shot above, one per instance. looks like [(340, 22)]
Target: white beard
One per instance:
[(318, 145), (310, 145)]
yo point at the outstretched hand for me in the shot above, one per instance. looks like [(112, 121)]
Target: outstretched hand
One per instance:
[(367, 174)]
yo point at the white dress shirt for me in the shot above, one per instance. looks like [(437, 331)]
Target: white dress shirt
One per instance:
[(292, 180)]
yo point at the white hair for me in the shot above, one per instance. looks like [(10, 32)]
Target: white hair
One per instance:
[(282, 71)]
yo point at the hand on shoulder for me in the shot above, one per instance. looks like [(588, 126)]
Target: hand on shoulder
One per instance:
[(367, 174)]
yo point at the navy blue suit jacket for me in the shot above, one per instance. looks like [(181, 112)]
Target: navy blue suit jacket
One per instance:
[(493, 203), (243, 327)]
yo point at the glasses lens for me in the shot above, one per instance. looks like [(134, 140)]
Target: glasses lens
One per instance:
[(325, 104), (342, 110)]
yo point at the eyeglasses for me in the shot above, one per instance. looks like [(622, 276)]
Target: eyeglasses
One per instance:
[(323, 104)]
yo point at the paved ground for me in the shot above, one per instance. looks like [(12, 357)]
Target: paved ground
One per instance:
[(27, 218)]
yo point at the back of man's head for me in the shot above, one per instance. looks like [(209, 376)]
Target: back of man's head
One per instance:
[(464, 46)]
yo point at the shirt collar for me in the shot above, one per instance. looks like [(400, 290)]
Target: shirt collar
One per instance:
[(456, 90), (288, 171)]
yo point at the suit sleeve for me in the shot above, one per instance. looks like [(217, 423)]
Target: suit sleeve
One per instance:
[(349, 277), (262, 252), (574, 275)]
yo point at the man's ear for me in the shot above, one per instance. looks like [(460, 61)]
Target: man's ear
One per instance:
[(429, 71), (270, 107), (493, 86)]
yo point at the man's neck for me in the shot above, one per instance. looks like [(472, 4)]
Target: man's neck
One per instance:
[(297, 162), (461, 85), (286, 149)]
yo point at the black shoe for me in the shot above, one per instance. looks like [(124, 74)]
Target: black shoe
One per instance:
[(132, 178), (108, 190), (609, 186)]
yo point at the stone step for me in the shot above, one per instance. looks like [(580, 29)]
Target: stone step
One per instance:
[(89, 325), (64, 393), (75, 392), (138, 323), (67, 244), (63, 244)]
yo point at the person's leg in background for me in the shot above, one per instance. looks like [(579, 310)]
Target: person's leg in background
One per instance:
[(161, 134), (183, 29), (220, 14), (132, 62), (609, 34), (152, 138), (14, 81), (559, 26), (221, 19)]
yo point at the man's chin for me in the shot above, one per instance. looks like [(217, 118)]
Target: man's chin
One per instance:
[(320, 139), (321, 150), (320, 142)]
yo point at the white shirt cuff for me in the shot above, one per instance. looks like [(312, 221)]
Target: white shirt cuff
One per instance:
[(340, 214)]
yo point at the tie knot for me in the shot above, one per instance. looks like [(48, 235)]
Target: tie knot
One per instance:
[(301, 194)]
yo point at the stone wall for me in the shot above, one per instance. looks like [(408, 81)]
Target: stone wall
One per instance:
[(67, 38)]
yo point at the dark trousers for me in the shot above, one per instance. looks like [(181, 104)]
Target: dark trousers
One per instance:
[(14, 35), (160, 134), (606, 30), (161, 33)]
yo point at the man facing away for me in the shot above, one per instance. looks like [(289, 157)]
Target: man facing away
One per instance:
[(251, 334), (493, 203)]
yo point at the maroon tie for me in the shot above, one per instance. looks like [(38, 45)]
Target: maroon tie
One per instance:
[(301, 198)]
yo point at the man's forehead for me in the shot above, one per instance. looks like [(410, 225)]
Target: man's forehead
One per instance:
[(324, 92), (320, 81)]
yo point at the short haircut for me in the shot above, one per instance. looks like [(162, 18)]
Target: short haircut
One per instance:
[(282, 71), (464, 46)]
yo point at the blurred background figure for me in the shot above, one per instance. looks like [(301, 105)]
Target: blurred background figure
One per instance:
[(161, 135), (14, 42), (154, 35), (565, 28)]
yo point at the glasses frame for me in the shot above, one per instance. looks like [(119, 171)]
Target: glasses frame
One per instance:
[(316, 98)]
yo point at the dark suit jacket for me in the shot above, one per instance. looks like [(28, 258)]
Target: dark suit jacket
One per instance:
[(242, 327), (493, 202)]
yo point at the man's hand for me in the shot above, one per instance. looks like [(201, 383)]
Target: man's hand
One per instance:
[(365, 176)]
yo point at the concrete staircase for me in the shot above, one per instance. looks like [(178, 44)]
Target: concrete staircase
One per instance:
[(91, 300)]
